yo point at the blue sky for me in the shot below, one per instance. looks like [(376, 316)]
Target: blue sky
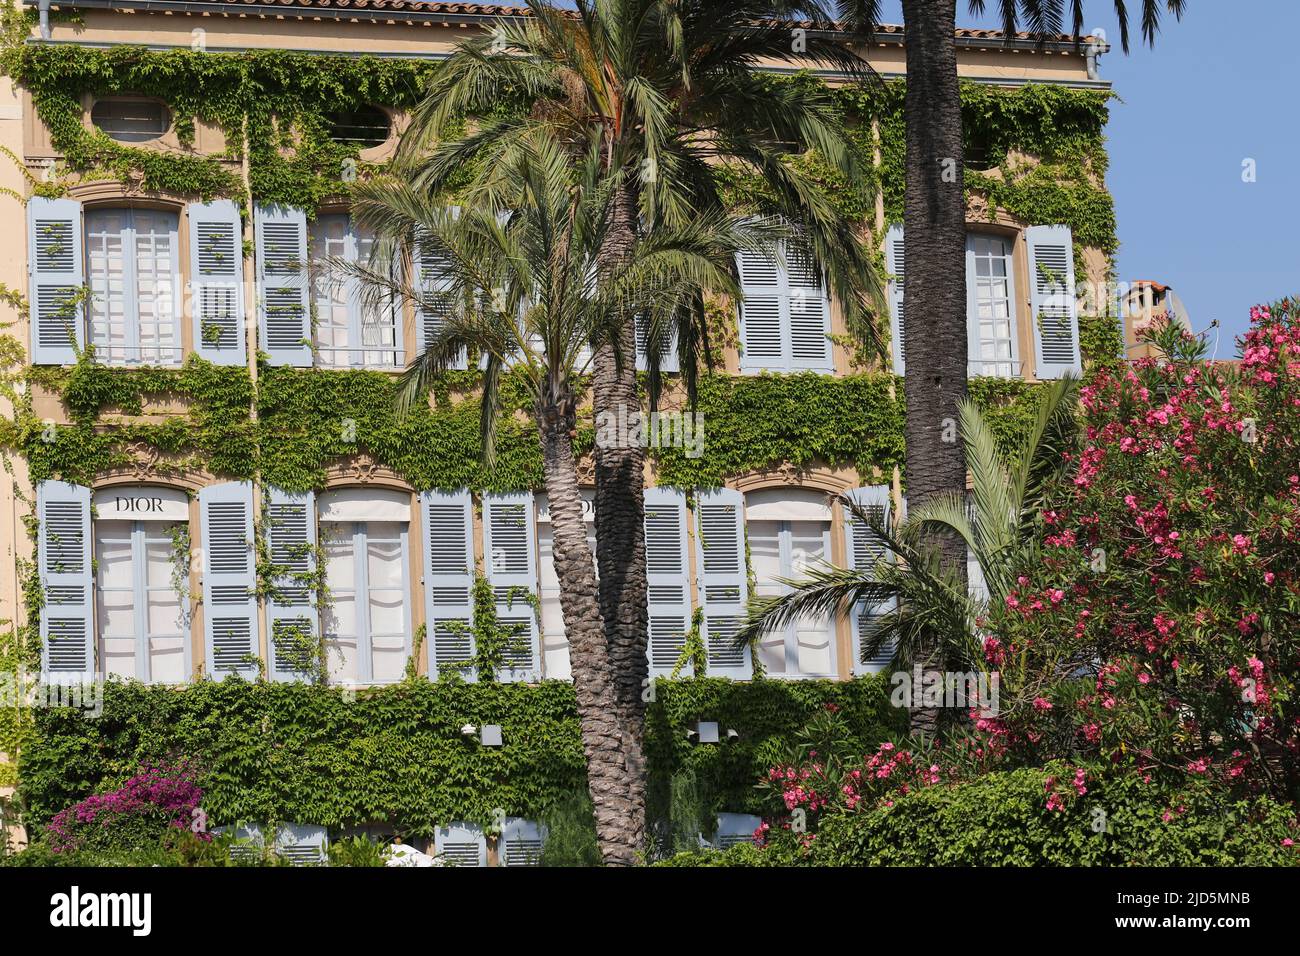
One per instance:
[(1217, 89)]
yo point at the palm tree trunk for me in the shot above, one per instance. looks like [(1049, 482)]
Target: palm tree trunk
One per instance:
[(618, 828), (934, 223), (620, 515)]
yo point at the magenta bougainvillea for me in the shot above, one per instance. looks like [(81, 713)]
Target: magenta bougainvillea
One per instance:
[(136, 815)]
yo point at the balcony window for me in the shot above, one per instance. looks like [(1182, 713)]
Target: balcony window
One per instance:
[(991, 306), (132, 271), (351, 331)]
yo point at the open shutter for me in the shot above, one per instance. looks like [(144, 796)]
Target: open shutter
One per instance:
[(56, 274), (510, 548), (448, 580), (64, 563), (736, 828), (865, 550), (217, 289), (435, 305), (723, 579), (522, 842), (302, 844), (668, 361), (284, 326), (668, 578), (1055, 309), (229, 579), (809, 311), (762, 312), (291, 615), (894, 266), (461, 844)]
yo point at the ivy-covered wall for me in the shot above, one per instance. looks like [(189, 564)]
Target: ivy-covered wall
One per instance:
[(396, 756)]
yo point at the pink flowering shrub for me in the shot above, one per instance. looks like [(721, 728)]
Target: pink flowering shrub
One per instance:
[(137, 815), (1156, 628)]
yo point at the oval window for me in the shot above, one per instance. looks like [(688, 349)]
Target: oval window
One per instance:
[(365, 126), (131, 121)]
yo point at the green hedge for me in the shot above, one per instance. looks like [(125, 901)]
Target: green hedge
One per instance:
[(1001, 820), (395, 755)]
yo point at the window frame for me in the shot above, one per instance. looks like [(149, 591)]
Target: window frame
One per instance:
[(169, 117), (787, 569), (349, 290), (976, 366)]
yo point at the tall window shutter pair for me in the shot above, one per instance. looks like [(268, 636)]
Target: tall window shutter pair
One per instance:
[(784, 311), (1052, 298), (865, 549), (464, 844), (56, 273)]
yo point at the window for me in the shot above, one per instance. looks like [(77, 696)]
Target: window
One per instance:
[(790, 533), (131, 120), (140, 592), (365, 126), (134, 284), (784, 315), (991, 306), (555, 643), (349, 331), (368, 625)]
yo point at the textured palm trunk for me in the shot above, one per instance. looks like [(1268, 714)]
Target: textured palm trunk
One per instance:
[(620, 529), (934, 223), (618, 825)]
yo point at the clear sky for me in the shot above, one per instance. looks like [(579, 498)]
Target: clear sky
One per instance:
[(1219, 87)]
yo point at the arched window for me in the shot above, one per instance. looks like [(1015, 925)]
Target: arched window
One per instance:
[(141, 583)]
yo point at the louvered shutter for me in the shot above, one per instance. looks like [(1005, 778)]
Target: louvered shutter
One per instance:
[(284, 325), (302, 844), (762, 312), (865, 549), (291, 614), (510, 549), (668, 361), (448, 579), (722, 579), (894, 266), (736, 828), (216, 291), (522, 842), (1055, 309), (246, 850), (435, 305), (56, 274), (64, 563), (809, 311), (668, 578), (229, 579), (461, 844)]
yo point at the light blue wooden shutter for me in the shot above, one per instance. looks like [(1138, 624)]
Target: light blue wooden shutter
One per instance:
[(736, 828), (461, 844), (217, 286), (668, 578), (284, 292), (229, 579), (522, 842), (722, 579), (894, 266), (292, 619), (809, 311), (510, 548), (302, 844), (865, 549), (435, 306), (64, 563), (668, 361), (448, 579), (249, 842), (56, 274), (1055, 309), (763, 312)]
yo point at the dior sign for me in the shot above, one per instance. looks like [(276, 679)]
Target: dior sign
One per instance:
[(142, 504)]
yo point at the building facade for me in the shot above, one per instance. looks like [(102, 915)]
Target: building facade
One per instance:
[(232, 419)]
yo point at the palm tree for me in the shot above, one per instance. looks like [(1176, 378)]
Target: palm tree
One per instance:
[(520, 280), (663, 91), (933, 617), (934, 218)]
